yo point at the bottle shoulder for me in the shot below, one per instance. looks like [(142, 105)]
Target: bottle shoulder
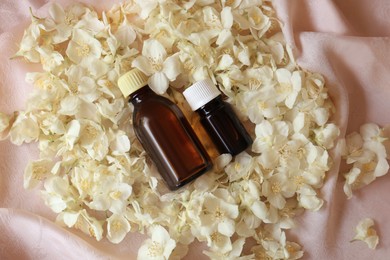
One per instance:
[(216, 105), (156, 107)]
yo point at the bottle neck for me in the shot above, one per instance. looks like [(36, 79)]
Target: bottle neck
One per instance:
[(211, 106), (139, 95)]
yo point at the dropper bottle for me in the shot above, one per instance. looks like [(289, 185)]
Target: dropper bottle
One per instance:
[(164, 132), (217, 117)]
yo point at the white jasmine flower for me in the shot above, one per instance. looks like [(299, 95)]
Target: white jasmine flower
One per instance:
[(69, 105), (367, 154), (249, 194), (155, 63), (52, 125), (89, 225), (326, 135), (120, 143), (247, 224), (371, 132), (50, 59), (366, 233), (240, 168), (320, 115), (112, 111), (219, 215), (94, 140), (24, 129), (354, 148), (36, 172), (290, 85), (194, 57), (57, 194), (225, 62), (125, 34), (308, 199), (65, 20), (159, 246), (147, 7), (83, 45), (363, 174), (90, 22), (225, 37), (117, 228), (234, 254), (293, 250), (79, 83), (258, 20), (259, 104), (276, 189), (270, 135), (112, 197)]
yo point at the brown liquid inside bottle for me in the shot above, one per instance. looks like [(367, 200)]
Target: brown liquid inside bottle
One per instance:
[(224, 127), (168, 138)]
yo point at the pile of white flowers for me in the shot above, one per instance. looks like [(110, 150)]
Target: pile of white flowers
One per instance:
[(96, 176)]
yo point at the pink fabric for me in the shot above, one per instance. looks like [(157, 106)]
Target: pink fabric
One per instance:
[(346, 41)]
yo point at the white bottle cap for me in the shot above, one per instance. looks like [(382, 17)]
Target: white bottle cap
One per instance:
[(201, 93)]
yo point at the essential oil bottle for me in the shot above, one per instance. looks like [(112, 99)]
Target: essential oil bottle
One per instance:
[(217, 117), (164, 132)]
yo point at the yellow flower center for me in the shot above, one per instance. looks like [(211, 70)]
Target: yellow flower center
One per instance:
[(38, 173), (68, 18), (299, 180), (219, 214), (155, 249), (301, 152), (226, 51), (284, 88), (369, 167), (262, 105), (85, 185), (285, 151), (92, 132), (83, 50), (237, 166), (254, 83), (216, 237), (116, 225), (275, 187), (155, 63), (188, 66), (122, 161), (290, 249), (371, 232), (257, 19), (91, 232), (116, 195), (73, 87)]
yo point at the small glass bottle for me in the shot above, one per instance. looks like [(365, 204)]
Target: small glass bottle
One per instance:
[(217, 117), (164, 132)]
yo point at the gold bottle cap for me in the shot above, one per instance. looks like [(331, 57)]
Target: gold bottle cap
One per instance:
[(132, 81)]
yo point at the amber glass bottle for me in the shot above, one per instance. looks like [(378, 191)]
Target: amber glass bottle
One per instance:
[(164, 132), (218, 118)]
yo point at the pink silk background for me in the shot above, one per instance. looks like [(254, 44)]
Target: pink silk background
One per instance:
[(346, 41)]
